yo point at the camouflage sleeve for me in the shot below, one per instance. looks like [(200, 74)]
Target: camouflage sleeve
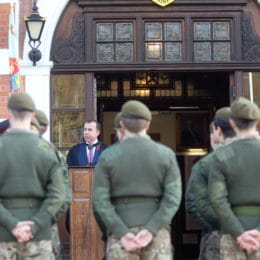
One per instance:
[(208, 215), (171, 199), (108, 218), (218, 195), (191, 196)]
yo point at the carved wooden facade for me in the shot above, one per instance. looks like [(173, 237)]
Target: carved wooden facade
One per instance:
[(191, 53), (79, 44)]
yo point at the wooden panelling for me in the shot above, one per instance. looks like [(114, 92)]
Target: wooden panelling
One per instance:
[(85, 237)]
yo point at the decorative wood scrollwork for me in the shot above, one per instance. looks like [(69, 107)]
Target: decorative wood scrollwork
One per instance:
[(71, 50), (251, 43)]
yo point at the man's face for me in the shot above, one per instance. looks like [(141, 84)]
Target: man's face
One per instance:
[(90, 132)]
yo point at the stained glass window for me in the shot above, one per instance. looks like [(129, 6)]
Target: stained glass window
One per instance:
[(163, 41), (211, 41), (115, 42)]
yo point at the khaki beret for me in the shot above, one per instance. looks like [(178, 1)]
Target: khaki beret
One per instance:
[(117, 120), (136, 109), (21, 102), (223, 113), (36, 124), (245, 109), (41, 117)]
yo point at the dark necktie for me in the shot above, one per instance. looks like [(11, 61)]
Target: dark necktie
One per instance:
[(90, 153)]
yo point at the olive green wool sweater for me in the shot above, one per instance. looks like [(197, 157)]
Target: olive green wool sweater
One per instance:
[(234, 182), (137, 183), (30, 171)]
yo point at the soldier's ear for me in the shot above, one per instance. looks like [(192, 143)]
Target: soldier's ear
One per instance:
[(148, 125), (122, 124), (232, 123)]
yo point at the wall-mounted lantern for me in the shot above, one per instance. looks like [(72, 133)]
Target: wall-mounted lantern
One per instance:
[(34, 26)]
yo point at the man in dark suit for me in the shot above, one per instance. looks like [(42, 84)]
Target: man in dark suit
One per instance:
[(87, 152)]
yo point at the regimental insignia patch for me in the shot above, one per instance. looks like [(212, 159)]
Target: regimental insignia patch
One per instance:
[(163, 3)]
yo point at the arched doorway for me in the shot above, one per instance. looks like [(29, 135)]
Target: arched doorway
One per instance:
[(84, 87)]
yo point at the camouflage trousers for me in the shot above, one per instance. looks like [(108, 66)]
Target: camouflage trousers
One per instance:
[(56, 242), (210, 246), (159, 249), (41, 250), (230, 250)]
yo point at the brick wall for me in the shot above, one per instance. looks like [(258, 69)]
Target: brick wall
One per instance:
[(4, 20), (4, 79), (4, 90), (25, 10)]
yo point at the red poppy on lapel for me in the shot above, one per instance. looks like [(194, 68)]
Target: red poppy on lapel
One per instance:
[(98, 148)]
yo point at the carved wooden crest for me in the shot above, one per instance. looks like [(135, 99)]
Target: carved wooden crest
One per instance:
[(163, 3)]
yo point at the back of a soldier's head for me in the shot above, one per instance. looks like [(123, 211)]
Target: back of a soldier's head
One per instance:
[(43, 121), (21, 105), (221, 120), (135, 116), (244, 113), (41, 117), (21, 102)]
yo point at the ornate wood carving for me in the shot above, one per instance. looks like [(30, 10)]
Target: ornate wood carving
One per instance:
[(251, 43), (145, 2), (71, 50)]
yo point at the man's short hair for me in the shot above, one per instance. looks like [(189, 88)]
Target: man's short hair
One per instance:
[(98, 126), (134, 125)]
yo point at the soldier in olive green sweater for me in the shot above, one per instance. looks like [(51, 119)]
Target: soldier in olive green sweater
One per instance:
[(137, 190), (234, 185), (32, 189), (197, 199)]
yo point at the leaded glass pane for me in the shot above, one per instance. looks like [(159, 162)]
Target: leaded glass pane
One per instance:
[(164, 78), (178, 88), (202, 31), (105, 32), (105, 52), (126, 84), (68, 91), (221, 31), (137, 93), (124, 32), (173, 51), (140, 78), (154, 51), (202, 51), (153, 31), (164, 93), (221, 51), (124, 52), (172, 31), (67, 128)]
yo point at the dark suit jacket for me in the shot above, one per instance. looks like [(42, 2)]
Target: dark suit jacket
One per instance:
[(77, 155)]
